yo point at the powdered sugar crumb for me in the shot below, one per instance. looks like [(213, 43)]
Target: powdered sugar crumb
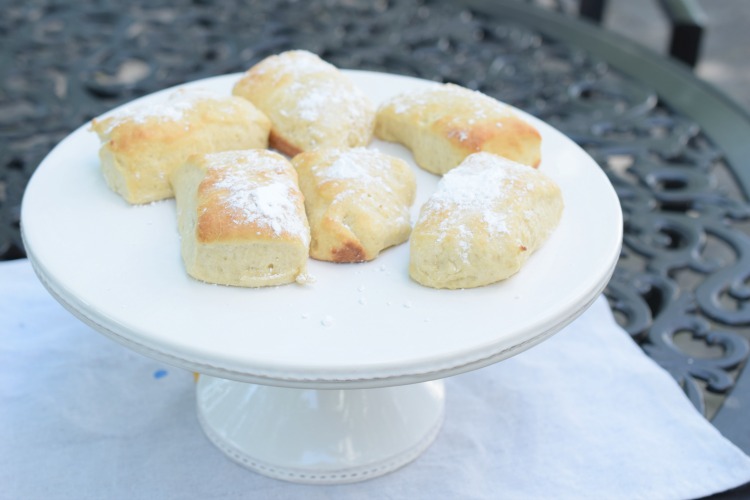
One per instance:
[(304, 279)]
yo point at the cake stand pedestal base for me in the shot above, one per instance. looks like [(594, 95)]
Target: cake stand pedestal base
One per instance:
[(327, 436)]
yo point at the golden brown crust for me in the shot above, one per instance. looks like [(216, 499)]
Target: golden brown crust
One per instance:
[(349, 251), (518, 140), (445, 124), (278, 143)]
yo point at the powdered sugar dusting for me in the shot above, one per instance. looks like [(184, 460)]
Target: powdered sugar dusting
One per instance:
[(258, 190), (349, 165), (364, 165), (321, 97), (480, 106), (318, 94), (316, 98), (296, 62), (174, 109), (475, 187), (352, 163), (267, 205)]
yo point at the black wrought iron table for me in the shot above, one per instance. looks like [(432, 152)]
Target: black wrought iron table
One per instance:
[(675, 149)]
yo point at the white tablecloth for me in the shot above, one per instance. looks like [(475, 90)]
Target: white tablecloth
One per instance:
[(584, 415)]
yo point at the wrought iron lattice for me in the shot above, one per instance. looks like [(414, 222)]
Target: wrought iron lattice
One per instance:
[(682, 280)]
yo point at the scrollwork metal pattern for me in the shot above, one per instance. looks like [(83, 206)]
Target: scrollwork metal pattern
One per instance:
[(685, 265)]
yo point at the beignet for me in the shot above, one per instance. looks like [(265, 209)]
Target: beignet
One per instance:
[(241, 218), (357, 202), (444, 124), (142, 145), (486, 218), (310, 102)]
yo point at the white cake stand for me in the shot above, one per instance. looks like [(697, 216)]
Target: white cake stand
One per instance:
[(333, 381)]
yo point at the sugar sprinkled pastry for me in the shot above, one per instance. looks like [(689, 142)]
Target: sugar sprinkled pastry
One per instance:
[(486, 218), (357, 202), (310, 102), (241, 218), (444, 124), (142, 144)]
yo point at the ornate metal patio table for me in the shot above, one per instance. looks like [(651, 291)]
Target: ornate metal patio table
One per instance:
[(675, 149)]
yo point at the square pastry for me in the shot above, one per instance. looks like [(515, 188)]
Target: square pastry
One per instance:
[(241, 218)]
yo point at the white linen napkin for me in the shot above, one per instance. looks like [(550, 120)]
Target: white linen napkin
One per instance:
[(583, 415)]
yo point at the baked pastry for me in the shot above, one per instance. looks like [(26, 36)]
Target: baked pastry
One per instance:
[(241, 218), (311, 104), (486, 218), (141, 145), (444, 124), (357, 202)]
